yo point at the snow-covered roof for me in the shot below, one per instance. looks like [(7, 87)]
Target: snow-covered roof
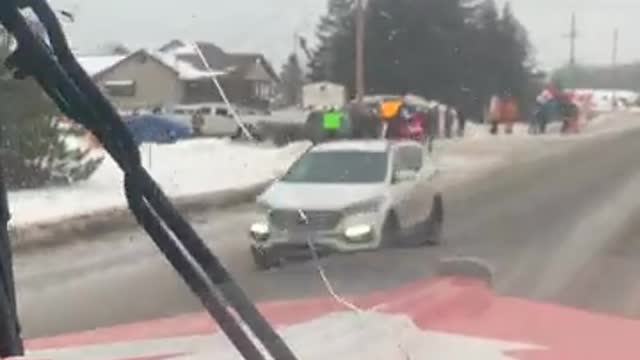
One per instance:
[(186, 49), (95, 64), (185, 70)]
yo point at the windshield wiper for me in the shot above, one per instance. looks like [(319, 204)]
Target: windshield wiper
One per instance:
[(67, 84)]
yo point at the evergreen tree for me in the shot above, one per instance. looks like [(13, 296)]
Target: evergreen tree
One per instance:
[(336, 52), (515, 54), (457, 51), (482, 56), (36, 150), (291, 81)]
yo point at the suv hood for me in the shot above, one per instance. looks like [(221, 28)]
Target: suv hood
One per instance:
[(319, 196)]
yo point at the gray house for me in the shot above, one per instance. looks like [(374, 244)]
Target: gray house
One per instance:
[(174, 74), (248, 79), (144, 79)]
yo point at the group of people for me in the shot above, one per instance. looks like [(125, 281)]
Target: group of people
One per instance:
[(555, 104), (407, 121), (552, 104)]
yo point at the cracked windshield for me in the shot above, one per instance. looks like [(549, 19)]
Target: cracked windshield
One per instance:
[(307, 179)]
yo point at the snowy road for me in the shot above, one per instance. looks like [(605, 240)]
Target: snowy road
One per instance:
[(562, 231)]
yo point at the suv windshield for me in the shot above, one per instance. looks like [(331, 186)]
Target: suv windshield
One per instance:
[(339, 167)]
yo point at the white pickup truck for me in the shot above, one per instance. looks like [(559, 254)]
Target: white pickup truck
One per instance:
[(208, 119)]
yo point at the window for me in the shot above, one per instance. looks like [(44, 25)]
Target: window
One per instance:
[(347, 167), (408, 158), (120, 88), (262, 89)]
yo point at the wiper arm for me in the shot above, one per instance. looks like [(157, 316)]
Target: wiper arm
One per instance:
[(64, 80)]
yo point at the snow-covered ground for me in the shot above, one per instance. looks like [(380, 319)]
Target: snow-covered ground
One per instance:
[(480, 152), (186, 168), (203, 166)]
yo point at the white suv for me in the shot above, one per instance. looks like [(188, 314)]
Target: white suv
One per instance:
[(348, 196)]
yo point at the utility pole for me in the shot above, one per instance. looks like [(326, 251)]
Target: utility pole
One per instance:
[(360, 36), (573, 35), (614, 53), (614, 66)]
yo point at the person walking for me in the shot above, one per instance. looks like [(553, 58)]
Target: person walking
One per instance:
[(462, 121), (433, 117), (511, 113), (448, 121), (495, 114)]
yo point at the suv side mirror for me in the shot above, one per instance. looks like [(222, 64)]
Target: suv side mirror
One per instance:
[(401, 176)]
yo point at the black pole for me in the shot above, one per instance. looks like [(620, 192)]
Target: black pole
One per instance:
[(10, 340)]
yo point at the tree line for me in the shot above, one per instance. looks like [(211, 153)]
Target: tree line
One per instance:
[(460, 52)]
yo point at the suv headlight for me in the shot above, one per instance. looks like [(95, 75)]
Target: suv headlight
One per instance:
[(358, 225), (359, 233), (260, 231)]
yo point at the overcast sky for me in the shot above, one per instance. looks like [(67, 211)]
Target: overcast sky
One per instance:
[(268, 26)]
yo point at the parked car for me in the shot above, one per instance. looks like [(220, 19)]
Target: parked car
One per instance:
[(156, 129), (348, 196), (208, 120)]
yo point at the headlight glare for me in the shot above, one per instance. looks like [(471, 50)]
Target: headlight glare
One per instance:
[(260, 231), (358, 232)]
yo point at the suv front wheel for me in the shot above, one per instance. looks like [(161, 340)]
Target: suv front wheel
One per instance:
[(390, 232), (435, 222)]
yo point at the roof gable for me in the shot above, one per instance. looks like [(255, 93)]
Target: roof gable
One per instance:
[(183, 69), (135, 55), (94, 65), (245, 66), (239, 64)]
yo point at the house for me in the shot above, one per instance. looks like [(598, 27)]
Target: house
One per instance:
[(176, 74), (145, 79), (248, 79), (323, 95)]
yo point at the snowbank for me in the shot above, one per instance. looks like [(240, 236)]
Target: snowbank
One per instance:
[(203, 166), (183, 169), (604, 123)]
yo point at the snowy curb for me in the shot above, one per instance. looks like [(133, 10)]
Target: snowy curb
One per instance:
[(59, 233)]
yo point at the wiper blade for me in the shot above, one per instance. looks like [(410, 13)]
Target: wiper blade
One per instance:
[(64, 80)]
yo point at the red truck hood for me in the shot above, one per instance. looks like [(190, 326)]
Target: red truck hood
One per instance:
[(445, 318)]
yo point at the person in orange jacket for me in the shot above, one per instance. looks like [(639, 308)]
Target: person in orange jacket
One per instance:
[(510, 113), (503, 110)]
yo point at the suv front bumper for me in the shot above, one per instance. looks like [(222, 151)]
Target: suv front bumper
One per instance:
[(297, 246)]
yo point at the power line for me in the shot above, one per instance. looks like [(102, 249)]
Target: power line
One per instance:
[(614, 67), (614, 53)]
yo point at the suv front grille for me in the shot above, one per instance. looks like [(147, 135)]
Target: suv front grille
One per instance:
[(290, 220)]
